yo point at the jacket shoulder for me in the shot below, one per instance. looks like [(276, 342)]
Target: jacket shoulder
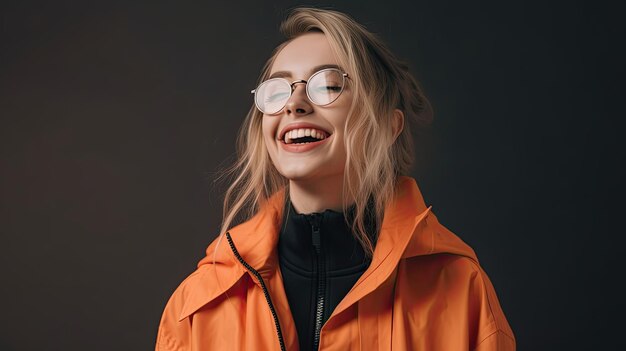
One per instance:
[(173, 333), (461, 287), (498, 330), (491, 325)]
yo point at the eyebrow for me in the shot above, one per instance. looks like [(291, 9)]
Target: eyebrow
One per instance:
[(287, 74)]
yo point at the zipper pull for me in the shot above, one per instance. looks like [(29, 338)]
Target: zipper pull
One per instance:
[(314, 220)]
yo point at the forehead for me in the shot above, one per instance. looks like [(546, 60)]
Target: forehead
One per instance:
[(302, 55)]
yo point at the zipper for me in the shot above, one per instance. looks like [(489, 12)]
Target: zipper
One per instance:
[(263, 287), (314, 220)]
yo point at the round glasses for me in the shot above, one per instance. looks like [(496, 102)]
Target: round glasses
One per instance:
[(322, 88)]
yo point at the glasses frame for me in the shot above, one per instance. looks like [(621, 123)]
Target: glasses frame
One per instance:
[(344, 75)]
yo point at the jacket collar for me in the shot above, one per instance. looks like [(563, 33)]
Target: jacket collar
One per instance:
[(409, 229)]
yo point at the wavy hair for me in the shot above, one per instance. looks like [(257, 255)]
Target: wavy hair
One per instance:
[(381, 83)]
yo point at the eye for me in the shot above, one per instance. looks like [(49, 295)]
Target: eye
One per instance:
[(276, 97), (332, 88)]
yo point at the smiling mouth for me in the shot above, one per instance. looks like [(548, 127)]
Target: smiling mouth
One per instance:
[(304, 136)]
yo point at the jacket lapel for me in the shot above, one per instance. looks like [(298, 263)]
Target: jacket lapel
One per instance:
[(256, 241), (409, 229), (402, 217)]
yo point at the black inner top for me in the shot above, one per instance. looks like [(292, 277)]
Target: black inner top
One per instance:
[(320, 260)]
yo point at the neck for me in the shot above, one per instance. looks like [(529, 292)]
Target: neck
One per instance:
[(318, 195)]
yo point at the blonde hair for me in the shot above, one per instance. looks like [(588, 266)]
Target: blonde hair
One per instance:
[(380, 83)]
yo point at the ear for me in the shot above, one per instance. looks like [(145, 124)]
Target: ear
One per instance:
[(397, 121)]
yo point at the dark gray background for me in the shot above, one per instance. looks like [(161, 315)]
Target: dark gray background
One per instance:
[(116, 117)]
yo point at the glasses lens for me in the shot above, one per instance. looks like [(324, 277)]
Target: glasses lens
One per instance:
[(325, 86), (272, 95)]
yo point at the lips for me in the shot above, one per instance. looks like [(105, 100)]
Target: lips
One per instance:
[(302, 125)]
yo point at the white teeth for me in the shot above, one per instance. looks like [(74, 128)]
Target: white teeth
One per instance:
[(300, 133)]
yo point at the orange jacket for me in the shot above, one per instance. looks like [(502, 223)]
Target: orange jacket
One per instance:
[(424, 290)]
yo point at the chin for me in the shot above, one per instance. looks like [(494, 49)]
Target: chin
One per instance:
[(311, 175), (298, 174)]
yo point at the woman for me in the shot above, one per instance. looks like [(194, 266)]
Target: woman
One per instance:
[(336, 249)]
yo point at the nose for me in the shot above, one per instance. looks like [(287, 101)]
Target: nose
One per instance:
[(298, 104)]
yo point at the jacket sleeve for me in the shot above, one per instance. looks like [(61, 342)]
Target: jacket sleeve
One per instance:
[(494, 332), (174, 335), (498, 340)]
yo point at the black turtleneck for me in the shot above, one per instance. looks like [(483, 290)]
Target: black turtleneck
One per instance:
[(320, 260)]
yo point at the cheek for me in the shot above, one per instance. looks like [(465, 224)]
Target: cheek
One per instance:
[(268, 131)]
